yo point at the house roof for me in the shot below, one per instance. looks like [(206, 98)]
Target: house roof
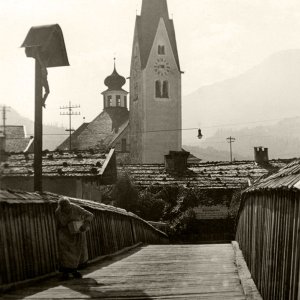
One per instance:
[(15, 138), (81, 164), (210, 175), (287, 178), (147, 24), (74, 136), (101, 132)]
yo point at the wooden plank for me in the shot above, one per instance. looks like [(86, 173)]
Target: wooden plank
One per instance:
[(152, 272)]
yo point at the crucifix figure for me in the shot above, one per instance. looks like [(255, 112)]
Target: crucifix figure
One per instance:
[(45, 84)]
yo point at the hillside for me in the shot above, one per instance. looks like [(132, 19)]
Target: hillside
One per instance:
[(53, 135), (270, 90), (268, 93), (282, 139)]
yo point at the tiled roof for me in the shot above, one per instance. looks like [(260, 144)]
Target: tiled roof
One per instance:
[(287, 177), (14, 131), (215, 175), (15, 138), (147, 24), (66, 143), (101, 132), (82, 164)]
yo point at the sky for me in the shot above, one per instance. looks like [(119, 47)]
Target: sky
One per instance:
[(217, 39)]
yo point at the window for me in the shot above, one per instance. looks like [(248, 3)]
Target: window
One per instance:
[(161, 50), (125, 101), (161, 89), (109, 101), (165, 93), (157, 89), (123, 146), (118, 98)]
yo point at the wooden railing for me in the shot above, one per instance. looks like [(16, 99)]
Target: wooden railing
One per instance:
[(268, 233), (28, 243)]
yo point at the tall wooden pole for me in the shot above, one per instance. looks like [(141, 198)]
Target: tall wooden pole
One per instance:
[(38, 129)]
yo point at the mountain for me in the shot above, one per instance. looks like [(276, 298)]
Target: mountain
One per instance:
[(282, 139), (270, 90), (269, 93), (53, 135)]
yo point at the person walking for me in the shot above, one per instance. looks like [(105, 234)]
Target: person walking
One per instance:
[(72, 222)]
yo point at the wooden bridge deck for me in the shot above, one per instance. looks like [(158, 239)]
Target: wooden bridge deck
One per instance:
[(151, 272)]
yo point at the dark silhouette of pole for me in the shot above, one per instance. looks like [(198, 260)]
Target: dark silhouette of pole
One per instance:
[(38, 128), (230, 141), (4, 110), (70, 113)]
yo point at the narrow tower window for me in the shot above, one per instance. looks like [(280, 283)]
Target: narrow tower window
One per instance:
[(118, 97), (157, 89), (161, 50), (165, 93), (109, 101)]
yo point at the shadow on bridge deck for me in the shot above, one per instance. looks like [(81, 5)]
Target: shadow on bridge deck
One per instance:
[(151, 272)]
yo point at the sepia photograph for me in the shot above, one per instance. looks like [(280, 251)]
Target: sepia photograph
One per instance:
[(150, 149)]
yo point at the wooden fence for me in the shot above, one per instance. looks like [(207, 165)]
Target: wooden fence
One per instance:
[(268, 233), (28, 243)]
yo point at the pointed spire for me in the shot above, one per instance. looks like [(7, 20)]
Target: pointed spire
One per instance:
[(155, 9), (147, 24)]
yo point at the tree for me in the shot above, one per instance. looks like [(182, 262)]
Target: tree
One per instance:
[(125, 194)]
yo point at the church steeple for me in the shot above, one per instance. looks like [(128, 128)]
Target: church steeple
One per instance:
[(147, 24), (155, 86), (114, 96)]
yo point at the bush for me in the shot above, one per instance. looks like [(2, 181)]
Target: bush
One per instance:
[(124, 194), (149, 207)]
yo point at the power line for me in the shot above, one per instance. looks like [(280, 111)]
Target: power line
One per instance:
[(70, 113)]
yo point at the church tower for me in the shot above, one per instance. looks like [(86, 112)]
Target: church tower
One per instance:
[(155, 86)]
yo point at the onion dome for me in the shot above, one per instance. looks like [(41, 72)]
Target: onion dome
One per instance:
[(115, 81)]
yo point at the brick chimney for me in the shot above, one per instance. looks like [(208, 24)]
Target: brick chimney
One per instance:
[(261, 155), (3, 155), (176, 161)]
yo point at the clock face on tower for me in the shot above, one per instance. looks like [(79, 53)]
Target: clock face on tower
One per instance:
[(161, 66)]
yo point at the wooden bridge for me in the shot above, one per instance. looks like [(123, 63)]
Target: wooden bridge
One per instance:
[(155, 272), (149, 268)]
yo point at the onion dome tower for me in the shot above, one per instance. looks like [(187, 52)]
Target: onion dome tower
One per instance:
[(114, 96)]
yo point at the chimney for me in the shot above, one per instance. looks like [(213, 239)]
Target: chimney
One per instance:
[(3, 155), (176, 161), (261, 155)]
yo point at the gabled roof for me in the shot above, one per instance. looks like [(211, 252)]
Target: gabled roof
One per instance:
[(15, 138), (101, 132), (74, 136), (13, 131), (147, 24), (59, 164), (287, 178), (211, 175)]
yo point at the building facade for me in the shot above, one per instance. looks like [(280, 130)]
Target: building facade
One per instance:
[(155, 86)]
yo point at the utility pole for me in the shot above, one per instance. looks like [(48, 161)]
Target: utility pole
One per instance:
[(70, 113), (231, 140), (4, 110)]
